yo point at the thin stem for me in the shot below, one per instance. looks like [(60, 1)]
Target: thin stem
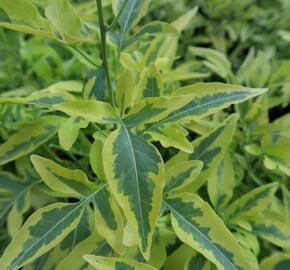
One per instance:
[(84, 56), (115, 21), (105, 65)]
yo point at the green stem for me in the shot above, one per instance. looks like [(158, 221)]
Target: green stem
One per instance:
[(115, 21), (105, 65), (84, 56)]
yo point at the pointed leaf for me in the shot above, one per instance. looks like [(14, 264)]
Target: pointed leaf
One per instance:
[(135, 173), (197, 225)]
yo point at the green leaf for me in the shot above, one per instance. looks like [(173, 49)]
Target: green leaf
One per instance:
[(135, 173), (64, 18), (73, 183), (91, 110), (209, 149), (69, 131), (153, 109), (276, 261), (215, 60), (131, 15), (197, 225), (251, 203), (43, 230), (116, 263), (181, 175), (28, 138), (24, 11)]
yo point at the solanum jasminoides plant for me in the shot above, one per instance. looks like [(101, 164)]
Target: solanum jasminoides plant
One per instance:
[(139, 162)]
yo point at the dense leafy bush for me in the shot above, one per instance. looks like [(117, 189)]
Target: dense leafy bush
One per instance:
[(158, 141)]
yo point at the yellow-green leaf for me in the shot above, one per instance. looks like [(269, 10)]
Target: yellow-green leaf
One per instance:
[(70, 182), (91, 110), (135, 173), (197, 225), (69, 131)]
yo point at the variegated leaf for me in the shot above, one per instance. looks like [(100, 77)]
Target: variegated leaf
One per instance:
[(109, 219), (135, 173), (276, 261), (181, 175), (270, 228), (209, 98), (69, 131), (170, 136), (91, 110), (221, 183), (28, 138), (70, 182), (42, 231), (134, 10), (153, 109), (197, 225), (209, 149), (116, 263), (251, 203)]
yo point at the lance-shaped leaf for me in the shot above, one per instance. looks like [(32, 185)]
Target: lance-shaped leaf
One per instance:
[(251, 203), (116, 263), (209, 149), (197, 261), (170, 136), (197, 225), (135, 173), (41, 232), (69, 131), (91, 110), (221, 182), (70, 182), (28, 138), (133, 11), (94, 244), (277, 261), (270, 228), (152, 109), (181, 175), (210, 98), (64, 18), (109, 219), (40, 99)]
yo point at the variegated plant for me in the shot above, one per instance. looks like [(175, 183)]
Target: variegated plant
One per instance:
[(140, 163)]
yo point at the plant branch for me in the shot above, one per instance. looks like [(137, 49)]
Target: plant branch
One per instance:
[(105, 65)]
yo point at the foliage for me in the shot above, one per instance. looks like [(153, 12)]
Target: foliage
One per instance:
[(158, 141)]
